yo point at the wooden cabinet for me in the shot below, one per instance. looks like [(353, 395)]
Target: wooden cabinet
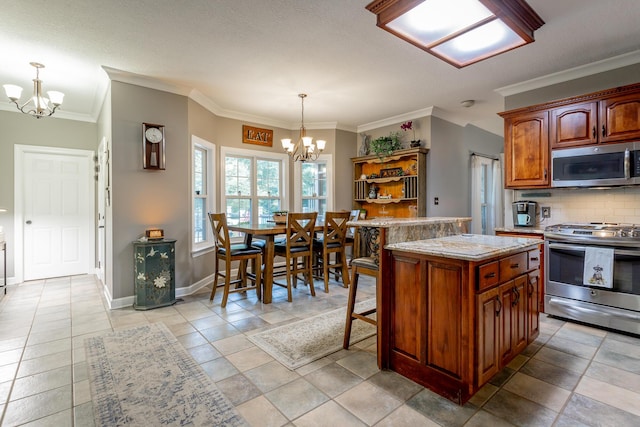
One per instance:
[(535, 260), (512, 318), (574, 125), (614, 119), (534, 285), (489, 310), (452, 324), (608, 116), (526, 150), (620, 118), (394, 186)]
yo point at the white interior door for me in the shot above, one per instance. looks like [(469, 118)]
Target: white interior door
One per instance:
[(58, 206), (103, 173)]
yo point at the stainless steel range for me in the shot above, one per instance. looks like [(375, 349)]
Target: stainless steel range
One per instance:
[(592, 274)]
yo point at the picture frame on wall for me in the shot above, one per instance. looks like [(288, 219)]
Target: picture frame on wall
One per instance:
[(257, 136)]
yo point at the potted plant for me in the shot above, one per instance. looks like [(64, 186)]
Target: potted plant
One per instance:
[(386, 145), (280, 217), (409, 126)]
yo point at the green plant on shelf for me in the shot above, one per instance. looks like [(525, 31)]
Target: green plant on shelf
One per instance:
[(386, 145)]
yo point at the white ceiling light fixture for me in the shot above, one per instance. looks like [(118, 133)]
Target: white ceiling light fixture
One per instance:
[(304, 150), (460, 32), (37, 106)]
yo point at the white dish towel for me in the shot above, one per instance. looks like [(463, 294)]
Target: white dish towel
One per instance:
[(598, 267)]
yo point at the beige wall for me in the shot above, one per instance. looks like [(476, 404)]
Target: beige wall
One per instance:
[(18, 128)]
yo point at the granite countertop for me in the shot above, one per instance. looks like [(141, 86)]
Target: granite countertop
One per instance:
[(470, 247), (529, 230), (391, 222)]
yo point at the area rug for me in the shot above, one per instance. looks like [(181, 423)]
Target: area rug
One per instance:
[(299, 343), (143, 377)]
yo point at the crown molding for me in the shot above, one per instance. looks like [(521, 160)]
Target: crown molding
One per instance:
[(572, 73), (395, 119)]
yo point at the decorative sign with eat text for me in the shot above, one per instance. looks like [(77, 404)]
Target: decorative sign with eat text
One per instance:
[(251, 135)]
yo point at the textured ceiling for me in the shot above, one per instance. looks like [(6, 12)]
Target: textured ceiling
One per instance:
[(250, 58)]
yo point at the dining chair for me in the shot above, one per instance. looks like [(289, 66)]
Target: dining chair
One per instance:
[(332, 242), (227, 252), (298, 243), (367, 265)]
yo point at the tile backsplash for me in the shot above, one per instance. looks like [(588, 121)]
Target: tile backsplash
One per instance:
[(586, 205)]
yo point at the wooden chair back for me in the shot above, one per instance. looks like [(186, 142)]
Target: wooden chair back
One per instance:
[(335, 228), (300, 230), (220, 231)]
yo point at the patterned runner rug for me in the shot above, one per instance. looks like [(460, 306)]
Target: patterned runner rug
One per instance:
[(144, 377), (299, 343)]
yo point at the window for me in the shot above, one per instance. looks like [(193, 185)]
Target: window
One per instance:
[(203, 172), (486, 197), (254, 185), (314, 181)]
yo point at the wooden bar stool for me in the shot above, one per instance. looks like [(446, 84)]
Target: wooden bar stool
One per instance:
[(299, 244), (227, 252), (362, 265), (332, 241)]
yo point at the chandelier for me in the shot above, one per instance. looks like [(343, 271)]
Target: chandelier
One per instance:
[(304, 150), (37, 106)]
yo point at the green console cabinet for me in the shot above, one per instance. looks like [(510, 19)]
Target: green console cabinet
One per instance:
[(154, 271)]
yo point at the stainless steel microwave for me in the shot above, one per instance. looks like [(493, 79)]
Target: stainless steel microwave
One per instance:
[(596, 166)]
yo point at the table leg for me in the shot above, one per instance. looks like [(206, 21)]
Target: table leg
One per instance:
[(267, 274)]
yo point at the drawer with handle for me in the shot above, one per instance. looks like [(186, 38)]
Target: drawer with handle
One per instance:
[(534, 259), (488, 275), (513, 266)]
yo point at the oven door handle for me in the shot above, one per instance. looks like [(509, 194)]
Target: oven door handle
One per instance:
[(583, 248), (565, 246)]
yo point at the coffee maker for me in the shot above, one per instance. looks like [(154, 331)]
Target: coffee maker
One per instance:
[(524, 213)]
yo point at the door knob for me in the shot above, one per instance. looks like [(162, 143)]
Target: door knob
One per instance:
[(29, 221)]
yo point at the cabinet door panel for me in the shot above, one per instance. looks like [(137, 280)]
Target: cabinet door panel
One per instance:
[(519, 314), (527, 150), (445, 289), (620, 118), (533, 314), (574, 125), (489, 310), (408, 309), (507, 297)]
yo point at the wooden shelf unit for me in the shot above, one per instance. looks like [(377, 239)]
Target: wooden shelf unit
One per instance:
[(407, 189)]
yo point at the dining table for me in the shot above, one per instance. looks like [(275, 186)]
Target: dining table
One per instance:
[(267, 232)]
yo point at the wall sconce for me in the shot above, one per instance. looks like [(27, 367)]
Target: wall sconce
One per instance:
[(439, 27)]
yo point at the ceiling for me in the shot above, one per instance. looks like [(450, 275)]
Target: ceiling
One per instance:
[(248, 59)]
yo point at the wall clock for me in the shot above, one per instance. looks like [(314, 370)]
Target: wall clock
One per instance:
[(153, 146)]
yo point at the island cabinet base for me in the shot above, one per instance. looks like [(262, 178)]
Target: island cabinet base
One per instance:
[(451, 324)]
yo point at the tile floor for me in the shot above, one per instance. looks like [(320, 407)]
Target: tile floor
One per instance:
[(571, 376)]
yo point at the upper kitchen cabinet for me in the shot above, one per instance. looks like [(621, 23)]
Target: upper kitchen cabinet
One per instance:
[(526, 150), (607, 116), (614, 119), (574, 125), (620, 118)]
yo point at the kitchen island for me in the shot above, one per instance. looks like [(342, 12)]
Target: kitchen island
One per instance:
[(455, 310), (373, 234)]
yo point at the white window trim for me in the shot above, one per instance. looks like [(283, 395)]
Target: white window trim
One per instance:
[(283, 157), (297, 170), (210, 148)]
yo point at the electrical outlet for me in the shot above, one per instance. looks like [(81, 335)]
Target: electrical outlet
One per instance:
[(546, 212)]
